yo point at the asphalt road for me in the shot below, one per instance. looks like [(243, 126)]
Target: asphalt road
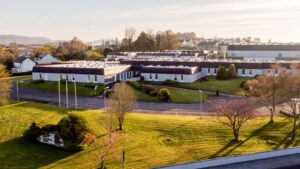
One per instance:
[(98, 103)]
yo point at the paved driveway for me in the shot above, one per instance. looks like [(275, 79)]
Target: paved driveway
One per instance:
[(98, 103)]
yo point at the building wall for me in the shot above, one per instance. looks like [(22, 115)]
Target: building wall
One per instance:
[(178, 77), (81, 78), (264, 55), (27, 65)]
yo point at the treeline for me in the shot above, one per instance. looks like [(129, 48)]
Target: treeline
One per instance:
[(153, 41)]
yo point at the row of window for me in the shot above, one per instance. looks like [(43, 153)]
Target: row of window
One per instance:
[(156, 77)]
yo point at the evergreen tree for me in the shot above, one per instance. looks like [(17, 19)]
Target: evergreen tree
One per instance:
[(221, 73), (231, 73)]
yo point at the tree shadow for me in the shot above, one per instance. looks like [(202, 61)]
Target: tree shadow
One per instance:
[(238, 144), (20, 153)]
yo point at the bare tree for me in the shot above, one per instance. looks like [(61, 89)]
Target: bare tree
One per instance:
[(234, 113), (121, 101), (106, 144), (129, 34), (292, 98), (5, 84), (269, 89)]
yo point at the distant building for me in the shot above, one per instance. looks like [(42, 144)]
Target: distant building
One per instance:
[(264, 52), (46, 59), (23, 64)]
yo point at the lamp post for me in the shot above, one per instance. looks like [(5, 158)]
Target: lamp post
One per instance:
[(96, 87), (18, 97)]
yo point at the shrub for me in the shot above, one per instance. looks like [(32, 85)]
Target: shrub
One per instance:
[(134, 84), (38, 81), (154, 93), (170, 83), (90, 85), (204, 79), (163, 95), (33, 132), (147, 89)]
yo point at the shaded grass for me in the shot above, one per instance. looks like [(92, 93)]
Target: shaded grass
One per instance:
[(148, 140), (53, 86)]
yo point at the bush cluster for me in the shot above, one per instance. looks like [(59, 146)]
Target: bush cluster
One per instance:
[(170, 83), (90, 85), (72, 129), (163, 95), (134, 84)]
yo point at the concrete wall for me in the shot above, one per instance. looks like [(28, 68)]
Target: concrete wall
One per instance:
[(264, 55)]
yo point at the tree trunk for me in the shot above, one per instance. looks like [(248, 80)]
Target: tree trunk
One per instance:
[(236, 135), (120, 125), (101, 165), (294, 131), (272, 115)]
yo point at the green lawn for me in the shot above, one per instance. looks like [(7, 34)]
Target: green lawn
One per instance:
[(15, 79), (224, 86), (53, 86), (148, 140), (176, 95)]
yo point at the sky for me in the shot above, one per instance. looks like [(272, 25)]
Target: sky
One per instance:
[(91, 20)]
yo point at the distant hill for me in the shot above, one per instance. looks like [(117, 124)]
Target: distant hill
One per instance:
[(26, 40)]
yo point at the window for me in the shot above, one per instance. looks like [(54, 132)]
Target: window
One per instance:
[(156, 76), (150, 77), (215, 71), (181, 77), (96, 79), (243, 71), (41, 76), (208, 71), (250, 72)]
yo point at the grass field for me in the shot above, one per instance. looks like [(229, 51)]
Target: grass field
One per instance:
[(224, 86), (15, 79), (53, 86), (148, 140), (176, 95)]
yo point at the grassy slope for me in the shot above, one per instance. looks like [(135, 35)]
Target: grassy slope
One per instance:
[(53, 86), (144, 139), (224, 86), (177, 96)]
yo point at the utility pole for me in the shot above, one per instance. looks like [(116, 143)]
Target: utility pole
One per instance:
[(75, 95), (67, 99)]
